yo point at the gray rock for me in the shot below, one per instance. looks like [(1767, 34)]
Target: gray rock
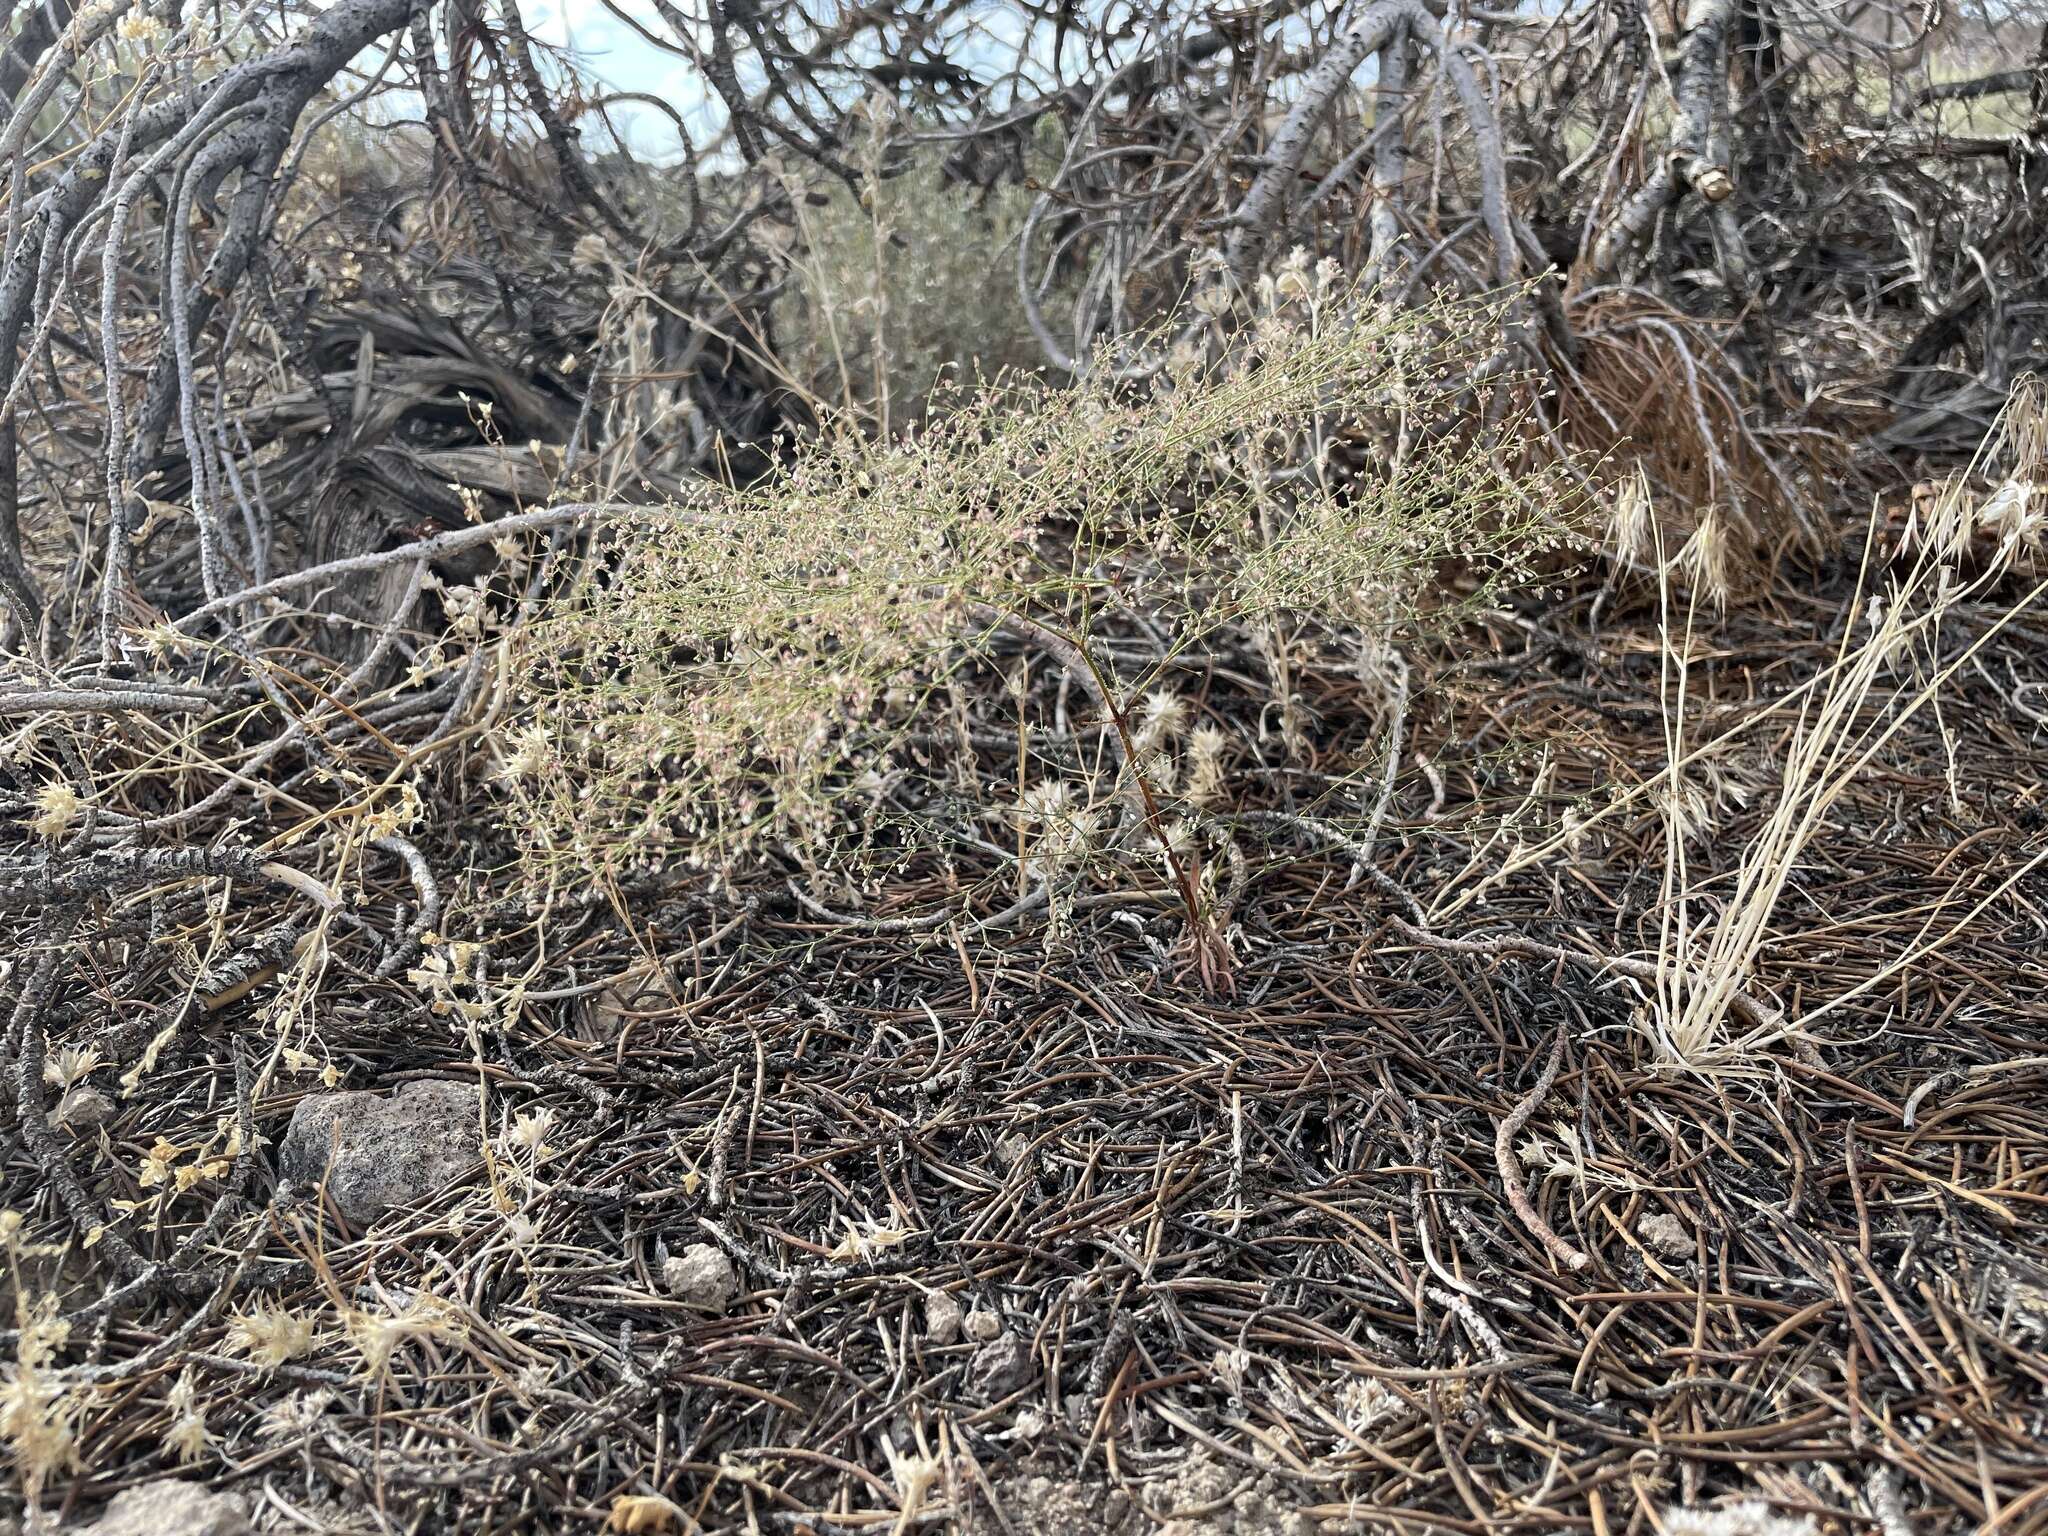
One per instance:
[(171, 1507), (999, 1367), (376, 1153), (81, 1109), (701, 1276), (981, 1326)]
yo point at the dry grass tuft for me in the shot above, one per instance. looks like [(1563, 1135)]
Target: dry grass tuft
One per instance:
[(1649, 393), (1890, 665)]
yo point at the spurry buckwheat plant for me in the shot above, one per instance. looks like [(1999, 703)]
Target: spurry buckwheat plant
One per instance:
[(773, 672)]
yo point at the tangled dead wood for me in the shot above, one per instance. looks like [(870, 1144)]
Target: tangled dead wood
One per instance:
[(341, 339)]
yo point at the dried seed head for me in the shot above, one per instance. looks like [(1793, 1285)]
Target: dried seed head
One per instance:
[(529, 1131), (1632, 514), (1160, 718), (1206, 746), (1709, 557), (2015, 515)]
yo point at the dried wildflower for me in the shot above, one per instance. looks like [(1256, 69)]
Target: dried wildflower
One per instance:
[(187, 1437), (43, 1331), (1577, 836), (139, 29), (378, 1335), (56, 808), (1179, 838), (914, 1475), (71, 1064), (195, 1173), (270, 1334), (468, 609), (521, 1230), (395, 813), (158, 1164), (869, 1238), (529, 1132), (1365, 1404), (39, 1424), (771, 654), (295, 1417), (1293, 281), (1046, 803), (39, 1416), (532, 752), (1064, 842), (452, 977)]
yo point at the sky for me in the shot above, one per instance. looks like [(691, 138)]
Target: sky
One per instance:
[(610, 52)]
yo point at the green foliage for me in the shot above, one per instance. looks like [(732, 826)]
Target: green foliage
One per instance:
[(903, 288)]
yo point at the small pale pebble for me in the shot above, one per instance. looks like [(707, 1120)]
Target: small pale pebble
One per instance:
[(1667, 1234), (941, 1318), (982, 1325), (701, 1276)]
